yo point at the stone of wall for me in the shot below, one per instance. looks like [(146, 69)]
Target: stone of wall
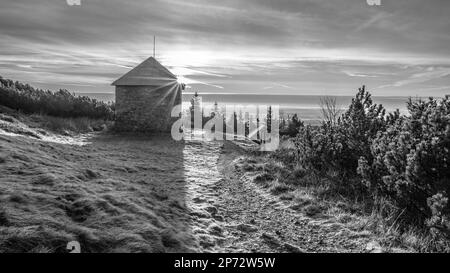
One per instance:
[(146, 108)]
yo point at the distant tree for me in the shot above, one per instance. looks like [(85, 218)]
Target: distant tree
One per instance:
[(291, 127), (269, 119), (330, 111)]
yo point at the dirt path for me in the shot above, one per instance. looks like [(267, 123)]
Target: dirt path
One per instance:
[(257, 221), (230, 213), (202, 176)]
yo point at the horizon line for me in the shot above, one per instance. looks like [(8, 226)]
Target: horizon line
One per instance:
[(271, 94)]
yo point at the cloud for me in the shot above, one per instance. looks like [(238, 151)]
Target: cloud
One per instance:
[(238, 46), (184, 71), (277, 85), (352, 74), (430, 74), (440, 88), (191, 83), (373, 21)]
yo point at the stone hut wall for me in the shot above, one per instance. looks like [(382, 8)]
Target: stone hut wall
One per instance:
[(146, 108)]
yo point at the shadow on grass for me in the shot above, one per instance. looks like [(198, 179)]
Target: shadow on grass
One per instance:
[(121, 193)]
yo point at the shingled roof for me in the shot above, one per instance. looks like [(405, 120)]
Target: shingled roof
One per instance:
[(149, 72)]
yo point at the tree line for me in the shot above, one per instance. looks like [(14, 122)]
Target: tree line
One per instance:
[(62, 103)]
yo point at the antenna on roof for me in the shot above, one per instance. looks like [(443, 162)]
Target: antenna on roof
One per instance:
[(154, 45)]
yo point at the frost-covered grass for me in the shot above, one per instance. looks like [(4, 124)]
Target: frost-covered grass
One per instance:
[(388, 166), (117, 194)]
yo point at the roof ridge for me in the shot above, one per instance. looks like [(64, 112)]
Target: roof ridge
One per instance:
[(147, 72)]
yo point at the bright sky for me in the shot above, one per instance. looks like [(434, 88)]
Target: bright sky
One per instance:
[(401, 48)]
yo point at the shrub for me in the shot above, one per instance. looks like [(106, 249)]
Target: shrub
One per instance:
[(337, 147), (64, 125), (290, 126), (263, 178), (401, 158), (278, 188), (287, 156), (409, 161), (23, 97)]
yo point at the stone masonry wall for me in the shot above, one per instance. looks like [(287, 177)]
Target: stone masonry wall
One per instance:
[(145, 108)]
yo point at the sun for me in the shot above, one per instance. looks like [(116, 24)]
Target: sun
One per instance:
[(181, 79)]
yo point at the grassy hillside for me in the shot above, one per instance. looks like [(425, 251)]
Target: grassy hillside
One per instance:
[(109, 193), (396, 167)]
